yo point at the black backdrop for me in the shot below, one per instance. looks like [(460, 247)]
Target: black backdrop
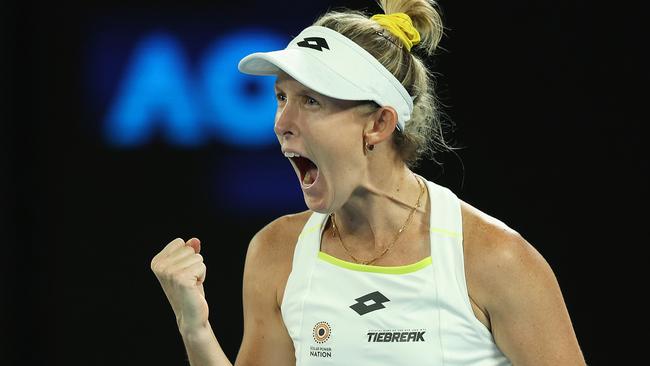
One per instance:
[(545, 95)]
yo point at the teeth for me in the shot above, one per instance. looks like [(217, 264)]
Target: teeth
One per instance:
[(291, 155)]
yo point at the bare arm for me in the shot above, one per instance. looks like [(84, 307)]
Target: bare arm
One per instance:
[(516, 287), (203, 348), (266, 341), (181, 272)]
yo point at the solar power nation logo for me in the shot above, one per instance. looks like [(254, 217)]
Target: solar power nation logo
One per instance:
[(322, 332)]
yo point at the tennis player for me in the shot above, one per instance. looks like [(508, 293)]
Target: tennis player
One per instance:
[(385, 268)]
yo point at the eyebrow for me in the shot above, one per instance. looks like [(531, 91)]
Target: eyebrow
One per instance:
[(301, 90)]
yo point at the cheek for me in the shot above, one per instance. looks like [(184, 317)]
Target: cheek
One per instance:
[(338, 141), (338, 135), (343, 158), (340, 147)]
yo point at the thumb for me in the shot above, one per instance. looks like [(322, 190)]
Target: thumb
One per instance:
[(195, 244)]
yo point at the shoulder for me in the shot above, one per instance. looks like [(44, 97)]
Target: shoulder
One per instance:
[(513, 285), (280, 234), (270, 255), (268, 264), (499, 262), (490, 238)]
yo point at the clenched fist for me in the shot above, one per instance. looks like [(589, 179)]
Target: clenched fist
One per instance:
[(180, 270)]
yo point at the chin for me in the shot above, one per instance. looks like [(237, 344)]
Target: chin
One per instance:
[(317, 205), (321, 202)]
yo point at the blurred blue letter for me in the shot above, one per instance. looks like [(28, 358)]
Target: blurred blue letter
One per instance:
[(155, 93), (240, 107)]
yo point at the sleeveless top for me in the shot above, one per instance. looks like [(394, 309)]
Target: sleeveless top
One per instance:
[(342, 313)]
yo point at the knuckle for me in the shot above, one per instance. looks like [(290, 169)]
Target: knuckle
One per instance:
[(157, 266), (175, 242), (166, 273)]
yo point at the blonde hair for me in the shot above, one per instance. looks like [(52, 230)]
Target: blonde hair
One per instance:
[(423, 135)]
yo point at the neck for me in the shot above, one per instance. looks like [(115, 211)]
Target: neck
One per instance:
[(379, 207)]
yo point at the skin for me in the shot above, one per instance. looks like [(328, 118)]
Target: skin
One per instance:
[(512, 288)]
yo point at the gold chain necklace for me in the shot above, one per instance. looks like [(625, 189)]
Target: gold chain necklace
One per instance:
[(335, 230)]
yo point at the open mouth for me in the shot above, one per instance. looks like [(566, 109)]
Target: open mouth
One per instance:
[(308, 170)]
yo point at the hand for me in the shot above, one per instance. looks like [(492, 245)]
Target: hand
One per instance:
[(181, 272)]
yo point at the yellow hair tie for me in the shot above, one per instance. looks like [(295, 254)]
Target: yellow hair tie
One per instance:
[(401, 26)]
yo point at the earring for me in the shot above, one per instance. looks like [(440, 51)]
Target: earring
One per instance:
[(367, 147)]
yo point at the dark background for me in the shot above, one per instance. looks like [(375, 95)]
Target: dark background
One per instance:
[(547, 101)]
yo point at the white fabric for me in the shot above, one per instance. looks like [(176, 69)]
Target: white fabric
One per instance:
[(338, 68), (432, 299)]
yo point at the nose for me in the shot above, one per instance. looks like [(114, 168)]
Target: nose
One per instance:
[(285, 120)]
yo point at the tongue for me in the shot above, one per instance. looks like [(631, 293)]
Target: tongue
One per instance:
[(310, 176)]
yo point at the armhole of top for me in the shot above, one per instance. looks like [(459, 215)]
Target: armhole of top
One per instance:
[(299, 255), (462, 274)]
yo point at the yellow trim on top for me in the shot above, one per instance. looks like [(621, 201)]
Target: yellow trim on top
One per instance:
[(309, 230), (409, 268), (452, 234)]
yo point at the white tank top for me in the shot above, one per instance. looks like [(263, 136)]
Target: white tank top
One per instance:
[(342, 313)]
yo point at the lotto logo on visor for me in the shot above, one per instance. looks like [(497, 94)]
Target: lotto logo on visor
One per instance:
[(316, 43)]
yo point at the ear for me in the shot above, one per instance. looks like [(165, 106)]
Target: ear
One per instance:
[(381, 125)]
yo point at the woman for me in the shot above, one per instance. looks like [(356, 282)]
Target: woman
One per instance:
[(385, 268)]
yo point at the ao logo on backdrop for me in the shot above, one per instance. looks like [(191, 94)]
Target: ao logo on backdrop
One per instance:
[(160, 94)]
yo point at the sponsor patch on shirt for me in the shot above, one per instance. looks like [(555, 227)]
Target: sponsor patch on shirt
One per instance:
[(398, 335)]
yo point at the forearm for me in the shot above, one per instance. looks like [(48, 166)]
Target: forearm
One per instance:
[(202, 347)]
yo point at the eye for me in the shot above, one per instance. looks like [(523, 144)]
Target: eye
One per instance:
[(280, 97), (311, 101)]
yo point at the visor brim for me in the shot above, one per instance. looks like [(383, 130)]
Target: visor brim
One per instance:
[(304, 68)]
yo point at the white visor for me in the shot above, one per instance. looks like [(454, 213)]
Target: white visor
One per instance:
[(333, 65)]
